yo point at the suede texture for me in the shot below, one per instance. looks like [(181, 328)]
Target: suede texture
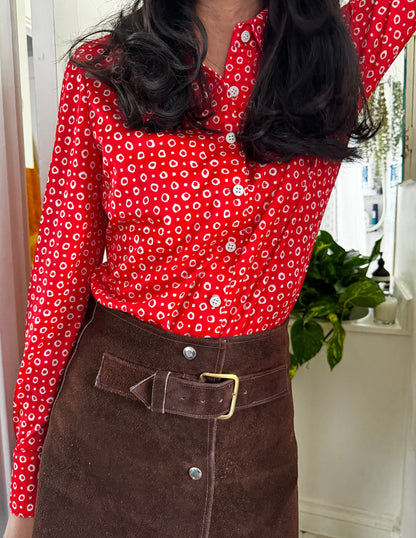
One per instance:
[(112, 467), (167, 392)]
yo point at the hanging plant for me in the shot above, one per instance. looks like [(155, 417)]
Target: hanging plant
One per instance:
[(389, 138), (377, 148), (397, 120)]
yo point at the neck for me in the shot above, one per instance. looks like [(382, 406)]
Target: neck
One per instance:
[(219, 18), (224, 15)]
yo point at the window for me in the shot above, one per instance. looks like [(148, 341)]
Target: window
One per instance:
[(362, 207)]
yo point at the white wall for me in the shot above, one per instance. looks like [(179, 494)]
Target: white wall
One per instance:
[(351, 426), (76, 17)]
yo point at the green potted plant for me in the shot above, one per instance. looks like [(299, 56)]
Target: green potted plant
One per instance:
[(335, 284)]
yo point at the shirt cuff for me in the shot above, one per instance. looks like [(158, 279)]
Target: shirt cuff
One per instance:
[(24, 483)]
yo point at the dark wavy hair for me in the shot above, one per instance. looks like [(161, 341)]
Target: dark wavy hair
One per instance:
[(307, 95)]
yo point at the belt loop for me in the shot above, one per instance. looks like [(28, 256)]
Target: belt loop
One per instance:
[(160, 385)]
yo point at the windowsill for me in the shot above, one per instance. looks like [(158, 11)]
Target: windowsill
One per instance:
[(403, 325)]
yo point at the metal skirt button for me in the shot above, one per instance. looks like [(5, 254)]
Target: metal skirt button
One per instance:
[(189, 353), (195, 473)]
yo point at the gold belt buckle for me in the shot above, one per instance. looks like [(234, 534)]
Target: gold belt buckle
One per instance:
[(235, 391)]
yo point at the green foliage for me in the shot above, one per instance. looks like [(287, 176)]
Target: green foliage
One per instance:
[(397, 119), (389, 138), (334, 284)]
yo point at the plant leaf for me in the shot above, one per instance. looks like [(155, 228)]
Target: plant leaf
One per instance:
[(307, 339), (313, 271), (339, 288), (321, 308), (293, 366), (335, 345), (327, 238), (328, 270), (376, 250), (364, 293), (307, 296)]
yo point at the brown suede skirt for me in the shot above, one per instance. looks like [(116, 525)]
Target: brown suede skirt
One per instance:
[(122, 464)]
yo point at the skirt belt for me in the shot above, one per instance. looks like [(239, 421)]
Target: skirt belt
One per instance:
[(191, 396)]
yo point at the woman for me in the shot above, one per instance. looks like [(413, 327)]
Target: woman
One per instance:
[(198, 143)]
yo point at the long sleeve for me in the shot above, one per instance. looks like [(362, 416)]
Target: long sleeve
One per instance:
[(380, 29), (70, 246)]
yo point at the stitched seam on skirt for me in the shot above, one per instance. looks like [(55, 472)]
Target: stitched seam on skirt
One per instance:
[(220, 357), (209, 499), (203, 533), (164, 394), (71, 357), (242, 338), (113, 312), (264, 334)]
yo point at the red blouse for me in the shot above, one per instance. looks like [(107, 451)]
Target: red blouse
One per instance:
[(199, 240)]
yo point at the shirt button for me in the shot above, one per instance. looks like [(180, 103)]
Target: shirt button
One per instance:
[(233, 91), (245, 36), (230, 138), (238, 190), (189, 353), (215, 301), (230, 246), (195, 473)]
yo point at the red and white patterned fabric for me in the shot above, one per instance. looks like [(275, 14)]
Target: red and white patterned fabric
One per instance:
[(200, 241)]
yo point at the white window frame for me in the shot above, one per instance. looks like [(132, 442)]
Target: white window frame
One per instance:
[(410, 112)]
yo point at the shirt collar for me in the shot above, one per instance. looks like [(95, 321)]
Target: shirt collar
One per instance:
[(258, 25)]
